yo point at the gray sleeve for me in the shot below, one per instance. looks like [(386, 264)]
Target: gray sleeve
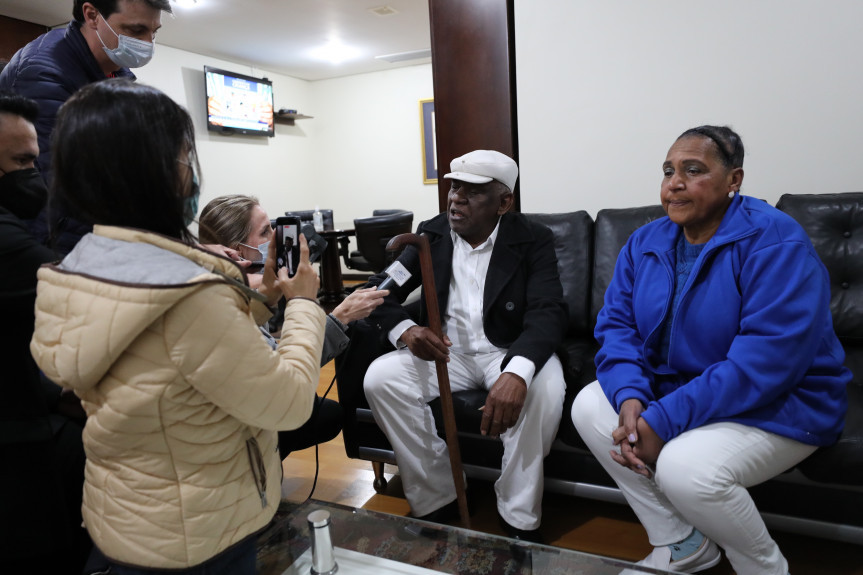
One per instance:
[(336, 340)]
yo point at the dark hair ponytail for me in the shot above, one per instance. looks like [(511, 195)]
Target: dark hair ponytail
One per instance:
[(727, 141)]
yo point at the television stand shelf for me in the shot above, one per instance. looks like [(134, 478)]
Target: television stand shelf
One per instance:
[(289, 118)]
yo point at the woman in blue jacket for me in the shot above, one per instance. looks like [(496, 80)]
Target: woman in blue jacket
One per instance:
[(718, 368)]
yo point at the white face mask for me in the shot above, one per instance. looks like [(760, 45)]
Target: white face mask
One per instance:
[(130, 52)]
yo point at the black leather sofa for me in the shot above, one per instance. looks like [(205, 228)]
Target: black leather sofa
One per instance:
[(823, 496)]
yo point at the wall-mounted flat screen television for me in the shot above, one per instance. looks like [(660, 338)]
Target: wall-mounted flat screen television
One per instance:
[(238, 104)]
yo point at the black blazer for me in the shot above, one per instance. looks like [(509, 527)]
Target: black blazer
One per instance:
[(523, 306)]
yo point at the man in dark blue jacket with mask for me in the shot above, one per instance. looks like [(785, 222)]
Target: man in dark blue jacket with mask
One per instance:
[(105, 39)]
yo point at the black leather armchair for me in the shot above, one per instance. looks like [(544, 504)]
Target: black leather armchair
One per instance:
[(307, 217), (372, 235)]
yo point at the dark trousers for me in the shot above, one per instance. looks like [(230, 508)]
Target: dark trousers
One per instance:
[(323, 425), (41, 486), (238, 560)]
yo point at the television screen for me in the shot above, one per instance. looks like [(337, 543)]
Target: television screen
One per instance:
[(237, 103)]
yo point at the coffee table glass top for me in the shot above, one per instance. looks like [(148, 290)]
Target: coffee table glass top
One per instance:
[(376, 543)]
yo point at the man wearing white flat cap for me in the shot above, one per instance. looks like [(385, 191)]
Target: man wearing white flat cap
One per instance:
[(503, 316)]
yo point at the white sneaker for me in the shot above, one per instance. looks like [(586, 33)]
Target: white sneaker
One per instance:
[(706, 556)]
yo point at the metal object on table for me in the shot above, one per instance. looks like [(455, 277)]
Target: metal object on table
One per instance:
[(323, 557), (422, 245)]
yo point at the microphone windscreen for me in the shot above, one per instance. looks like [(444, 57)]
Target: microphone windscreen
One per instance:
[(388, 283), (317, 244)]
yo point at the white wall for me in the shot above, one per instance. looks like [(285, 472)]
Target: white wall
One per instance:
[(604, 88), (361, 151), (269, 168), (367, 150)]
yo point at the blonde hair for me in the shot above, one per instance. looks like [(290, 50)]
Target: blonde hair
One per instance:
[(227, 220)]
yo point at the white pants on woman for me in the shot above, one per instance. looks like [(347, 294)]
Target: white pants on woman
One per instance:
[(701, 480), (398, 386)]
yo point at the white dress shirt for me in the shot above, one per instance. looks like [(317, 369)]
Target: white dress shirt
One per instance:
[(463, 315)]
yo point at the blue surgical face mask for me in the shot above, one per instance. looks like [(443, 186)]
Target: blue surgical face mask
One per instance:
[(130, 52), (263, 248), (190, 203)]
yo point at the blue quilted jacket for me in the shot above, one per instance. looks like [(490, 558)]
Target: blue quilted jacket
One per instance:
[(49, 70)]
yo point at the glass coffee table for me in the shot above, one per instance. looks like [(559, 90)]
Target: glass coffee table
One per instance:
[(368, 542)]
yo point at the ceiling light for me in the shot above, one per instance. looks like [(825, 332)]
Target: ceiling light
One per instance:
[(403, 56), (384, 10), (186, 3), (334, 52)]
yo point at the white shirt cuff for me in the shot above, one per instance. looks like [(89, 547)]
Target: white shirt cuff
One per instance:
[(398, 330), (522, 367)]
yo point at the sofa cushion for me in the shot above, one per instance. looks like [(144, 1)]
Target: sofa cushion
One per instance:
[(612, 228), (834, 223), (842, 463), (573, 245), (466, 406)]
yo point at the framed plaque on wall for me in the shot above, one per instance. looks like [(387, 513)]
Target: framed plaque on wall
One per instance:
[(429, 144)]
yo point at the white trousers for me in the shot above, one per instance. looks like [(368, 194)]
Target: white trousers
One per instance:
[(701, 480), (399, 386)]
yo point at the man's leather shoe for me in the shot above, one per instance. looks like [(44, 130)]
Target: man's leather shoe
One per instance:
[(531, 536), (443, 514), (449, 512)]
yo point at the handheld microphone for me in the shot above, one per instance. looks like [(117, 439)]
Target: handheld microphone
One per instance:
[(396, 274), (317, 244)]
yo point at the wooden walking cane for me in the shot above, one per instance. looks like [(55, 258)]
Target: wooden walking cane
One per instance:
[(422, 245)]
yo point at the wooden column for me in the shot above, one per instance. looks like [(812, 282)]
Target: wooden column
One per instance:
[(473, 65), (15, 34)]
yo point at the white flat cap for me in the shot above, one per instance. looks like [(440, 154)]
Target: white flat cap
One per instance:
[(483, 166)]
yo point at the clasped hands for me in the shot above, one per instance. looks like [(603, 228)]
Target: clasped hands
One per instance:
[(505, 398), (639, 444)]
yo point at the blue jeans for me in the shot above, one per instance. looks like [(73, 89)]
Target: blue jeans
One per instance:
[(238, 560)]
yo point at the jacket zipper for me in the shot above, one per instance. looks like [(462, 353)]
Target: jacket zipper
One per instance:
[(259, 471)]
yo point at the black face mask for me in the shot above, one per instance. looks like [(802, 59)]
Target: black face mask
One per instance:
[(23, 192)]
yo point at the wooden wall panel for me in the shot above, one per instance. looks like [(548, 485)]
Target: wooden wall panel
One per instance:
[(473, 65), (15, 34)]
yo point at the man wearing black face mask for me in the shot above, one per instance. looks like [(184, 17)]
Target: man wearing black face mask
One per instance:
[(42, 475), (104, 40), (22, 190)]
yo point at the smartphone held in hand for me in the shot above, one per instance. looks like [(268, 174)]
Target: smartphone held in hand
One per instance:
[(287, 238)]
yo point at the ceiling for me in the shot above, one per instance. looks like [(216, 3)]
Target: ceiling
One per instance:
[(278, 35)]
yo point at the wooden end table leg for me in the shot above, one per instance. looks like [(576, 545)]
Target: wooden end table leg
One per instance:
[(380, 483)]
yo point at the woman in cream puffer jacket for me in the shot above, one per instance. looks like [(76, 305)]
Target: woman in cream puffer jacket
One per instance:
[(160, 340)]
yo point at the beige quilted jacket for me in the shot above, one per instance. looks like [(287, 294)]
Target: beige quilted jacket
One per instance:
[(183, 395)]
